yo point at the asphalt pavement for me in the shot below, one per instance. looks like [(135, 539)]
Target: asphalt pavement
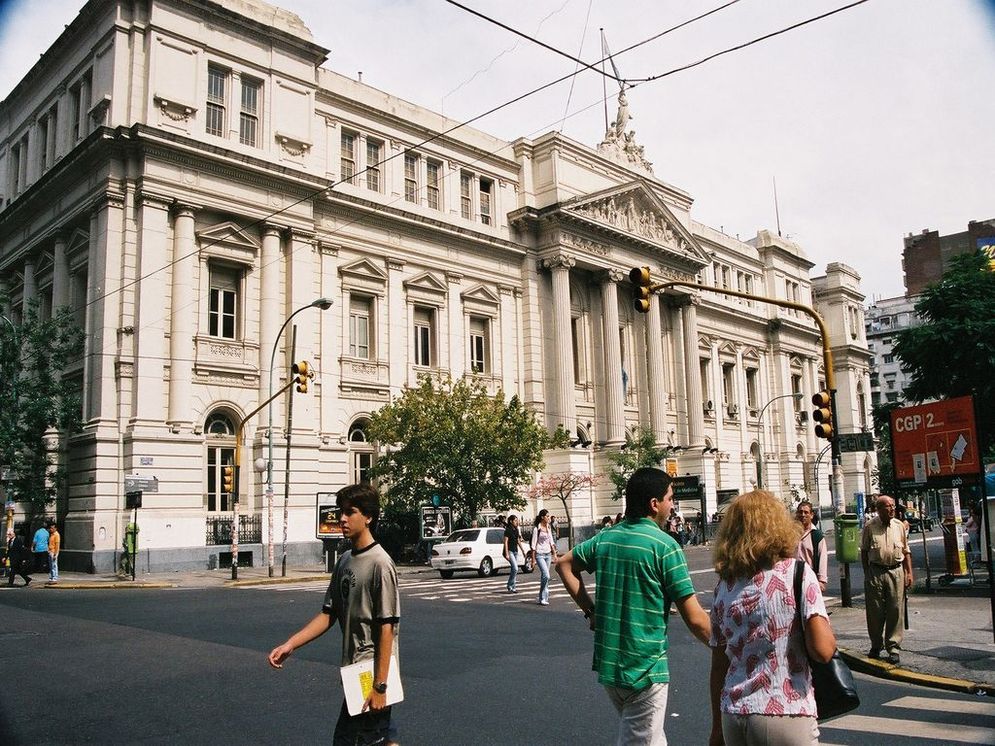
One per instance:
[(949, 643)]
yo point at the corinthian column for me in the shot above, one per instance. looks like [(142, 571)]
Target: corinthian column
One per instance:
[(615, 414), (564, 411), (654, 369), (692, 372), (184, 315)]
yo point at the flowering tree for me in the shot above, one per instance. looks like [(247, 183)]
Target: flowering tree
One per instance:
[(562, 485)]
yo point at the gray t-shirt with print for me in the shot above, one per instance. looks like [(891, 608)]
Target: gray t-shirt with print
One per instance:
[(363, 590)]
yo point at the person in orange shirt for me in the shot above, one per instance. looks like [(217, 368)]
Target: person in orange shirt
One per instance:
[(54, 545)]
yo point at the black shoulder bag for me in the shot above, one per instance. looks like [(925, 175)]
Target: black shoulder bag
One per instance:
[(835, 691)]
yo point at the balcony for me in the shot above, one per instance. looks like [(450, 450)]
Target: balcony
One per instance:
[(250, 530)]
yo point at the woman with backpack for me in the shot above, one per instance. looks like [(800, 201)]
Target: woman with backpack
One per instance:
[(543, 545)]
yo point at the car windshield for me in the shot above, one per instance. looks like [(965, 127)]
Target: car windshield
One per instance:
[(469, 534)]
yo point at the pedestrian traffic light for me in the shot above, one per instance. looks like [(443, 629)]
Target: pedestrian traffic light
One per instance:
[(228, 479), (641, 281), (303, 371), (822, 415)]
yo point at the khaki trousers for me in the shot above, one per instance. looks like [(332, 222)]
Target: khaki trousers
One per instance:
[(884, 605)]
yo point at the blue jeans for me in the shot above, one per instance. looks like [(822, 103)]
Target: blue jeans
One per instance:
[(513, 570), (542, 561), (53, 570)]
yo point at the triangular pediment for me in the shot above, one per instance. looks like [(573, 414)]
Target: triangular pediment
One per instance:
[(364, 268), (635, 211), (480, 294), (426, 282), (229, 234), (77, 240)]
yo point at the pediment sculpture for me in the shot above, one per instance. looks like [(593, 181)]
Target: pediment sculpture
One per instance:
[(620, 146)]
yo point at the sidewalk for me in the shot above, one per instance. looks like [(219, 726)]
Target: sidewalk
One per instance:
[(949, 643)]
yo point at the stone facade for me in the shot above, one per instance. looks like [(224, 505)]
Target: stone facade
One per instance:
[(185, 175)]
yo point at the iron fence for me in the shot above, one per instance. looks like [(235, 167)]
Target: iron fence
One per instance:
[(250, 529)]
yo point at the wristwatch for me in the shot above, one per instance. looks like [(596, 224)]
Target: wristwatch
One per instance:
[(380, 687)]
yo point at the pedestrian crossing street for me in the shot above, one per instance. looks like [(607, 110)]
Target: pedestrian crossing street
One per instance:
[(466, 589), (931, 720)]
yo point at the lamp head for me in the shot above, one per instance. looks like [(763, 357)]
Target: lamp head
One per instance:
[(323, 303)]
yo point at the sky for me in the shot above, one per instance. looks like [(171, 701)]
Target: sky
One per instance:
[(875, 122)]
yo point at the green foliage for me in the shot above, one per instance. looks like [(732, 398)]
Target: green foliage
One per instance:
[(952, 352), (640, 450), (454, 440), (37, 403)]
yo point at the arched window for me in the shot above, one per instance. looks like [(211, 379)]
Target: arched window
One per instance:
[(219, 431), (361, 451)]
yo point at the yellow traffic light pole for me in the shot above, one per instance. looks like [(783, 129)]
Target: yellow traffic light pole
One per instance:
[(297, 370), (640, 278)]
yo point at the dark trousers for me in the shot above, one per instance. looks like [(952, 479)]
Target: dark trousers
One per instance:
[(19, 567), (366, 729), (41, 561)]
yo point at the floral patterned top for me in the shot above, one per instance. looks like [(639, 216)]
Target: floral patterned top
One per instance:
[(754, 618)]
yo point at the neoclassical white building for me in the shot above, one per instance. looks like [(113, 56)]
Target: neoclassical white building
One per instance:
[(185, 175)]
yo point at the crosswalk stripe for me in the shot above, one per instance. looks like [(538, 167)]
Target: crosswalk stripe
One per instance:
[(945, 705), (917, 730)]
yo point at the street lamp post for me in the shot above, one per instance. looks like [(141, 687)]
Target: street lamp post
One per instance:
[(760, 428), (323, 304), (8, 503)]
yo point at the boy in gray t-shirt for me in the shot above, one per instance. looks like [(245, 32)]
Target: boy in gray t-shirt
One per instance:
[(363, 598)]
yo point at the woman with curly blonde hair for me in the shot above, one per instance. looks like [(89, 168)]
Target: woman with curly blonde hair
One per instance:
[(761, 685)]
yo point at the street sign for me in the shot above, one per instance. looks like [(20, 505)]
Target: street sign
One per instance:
[(133, 500), (136, 483), (935, 445), (686, 487), (855, 442)]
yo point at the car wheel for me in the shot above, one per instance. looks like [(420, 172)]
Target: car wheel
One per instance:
[(446, 574), (486, 568)]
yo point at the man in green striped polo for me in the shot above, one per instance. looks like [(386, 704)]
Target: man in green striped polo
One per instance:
[(640, 570)]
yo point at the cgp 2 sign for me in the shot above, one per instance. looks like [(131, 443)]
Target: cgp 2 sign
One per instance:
[(934, 444)]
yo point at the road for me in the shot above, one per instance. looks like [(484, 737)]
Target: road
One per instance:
[(480, 667)]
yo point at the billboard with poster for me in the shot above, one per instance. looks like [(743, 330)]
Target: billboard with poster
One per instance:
[(936, 444), (436, 522), (328, 517)]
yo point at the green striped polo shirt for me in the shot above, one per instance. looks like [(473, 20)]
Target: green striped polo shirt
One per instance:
[(639, 570)]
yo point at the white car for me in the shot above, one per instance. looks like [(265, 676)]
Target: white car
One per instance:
[(479, 549)]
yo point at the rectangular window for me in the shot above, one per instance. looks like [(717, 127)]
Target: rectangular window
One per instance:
[(43, 143), (889, 358), (729, 385), (485, 201), (751, 388), (796, 388), (217, 459), (248, 124), (373, 151), (577, 338), (478, 344), (53, 133), (79, 281), (347, 153), (15, 170), (362, 462), (75, 107), (704, 370), (424, 323), (433, 171), (217, 79), (359, 327), (411, 177), (222, 308), (465, 197)]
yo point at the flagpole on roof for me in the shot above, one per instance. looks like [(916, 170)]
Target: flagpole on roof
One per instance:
[(604, 80)]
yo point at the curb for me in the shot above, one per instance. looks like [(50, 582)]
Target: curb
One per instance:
[(884, 670), (103, 586), (276, 581)]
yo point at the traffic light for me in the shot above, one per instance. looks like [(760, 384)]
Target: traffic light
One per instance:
[(641, 281), (228, 479), (303, 371), (822, 415)]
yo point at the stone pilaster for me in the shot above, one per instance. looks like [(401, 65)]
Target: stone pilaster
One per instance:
[(692, 372), (270, 317), (564, 410), (183, 319), (60, 273), (655, 373)]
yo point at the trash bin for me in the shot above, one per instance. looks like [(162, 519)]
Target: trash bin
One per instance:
[(847, 537)]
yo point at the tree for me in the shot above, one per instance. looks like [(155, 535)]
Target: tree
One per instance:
[(885, 472), (37, 403), (640, 450), (952, 352), (456, 441), (562, 485)]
